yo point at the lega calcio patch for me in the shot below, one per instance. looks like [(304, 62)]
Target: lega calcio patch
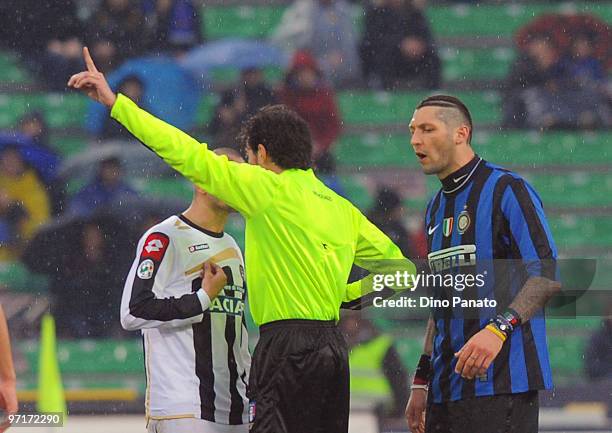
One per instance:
[(145, 270)]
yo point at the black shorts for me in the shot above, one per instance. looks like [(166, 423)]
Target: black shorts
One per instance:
[(507, 413), (299, 380)]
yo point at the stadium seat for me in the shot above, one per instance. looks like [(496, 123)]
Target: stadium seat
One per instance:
[(566, 353), (207, 109), (500, 20), (257, 21), (535, 149), (92, 370), (230, 76), (91, 356), (379, 108), (375, 150), (357, 192), (410, 350), (60, 109), (573, 189), (240, 21), (561, 326), (512, 149), (16, 277), (177, 188), (576, 231), (11, 72), (476, 63), (68, 145), (235, 228)]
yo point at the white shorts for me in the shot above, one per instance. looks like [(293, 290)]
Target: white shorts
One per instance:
[(193, 425)]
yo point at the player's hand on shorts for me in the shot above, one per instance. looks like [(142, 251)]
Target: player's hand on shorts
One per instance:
[(415, 410), (213, 279), (477, 354), (92, 82)]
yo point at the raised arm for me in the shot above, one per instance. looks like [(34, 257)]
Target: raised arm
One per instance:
[(247, 188)]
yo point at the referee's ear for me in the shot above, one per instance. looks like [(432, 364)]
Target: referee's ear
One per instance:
[(262, 154)]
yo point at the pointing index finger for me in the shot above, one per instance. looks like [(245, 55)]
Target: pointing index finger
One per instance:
[(91, 67)]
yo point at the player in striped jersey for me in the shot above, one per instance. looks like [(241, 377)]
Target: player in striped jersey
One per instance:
[(196, 344), (483, 366)]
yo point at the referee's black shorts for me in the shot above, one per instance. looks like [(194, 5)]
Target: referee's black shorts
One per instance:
[(299, 380), (506, 413)]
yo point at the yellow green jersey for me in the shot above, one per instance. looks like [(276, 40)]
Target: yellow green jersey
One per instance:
[(301, 237)]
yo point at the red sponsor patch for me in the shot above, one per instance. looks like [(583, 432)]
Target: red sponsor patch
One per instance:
[(155, 247)]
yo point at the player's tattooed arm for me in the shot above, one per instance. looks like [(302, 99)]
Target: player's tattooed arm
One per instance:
[(430, 331), (534, 295)]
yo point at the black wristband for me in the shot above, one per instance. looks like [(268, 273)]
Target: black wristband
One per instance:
[(513, 317), (423, 370), (507, 322)]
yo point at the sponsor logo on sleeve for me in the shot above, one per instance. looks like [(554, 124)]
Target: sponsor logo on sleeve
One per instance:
[(155, 246)]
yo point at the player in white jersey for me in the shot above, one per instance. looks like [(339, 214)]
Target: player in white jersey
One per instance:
[(196, 344)]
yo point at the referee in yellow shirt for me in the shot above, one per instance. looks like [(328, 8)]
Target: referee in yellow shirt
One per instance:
[(301, 241)]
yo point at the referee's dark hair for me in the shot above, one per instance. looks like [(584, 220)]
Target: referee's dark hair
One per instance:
[(283, 133), (447, 101)]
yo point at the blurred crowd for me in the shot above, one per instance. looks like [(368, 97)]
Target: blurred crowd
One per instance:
[(556, 81)]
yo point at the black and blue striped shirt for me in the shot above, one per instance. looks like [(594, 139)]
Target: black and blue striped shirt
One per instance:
[(487, 220)]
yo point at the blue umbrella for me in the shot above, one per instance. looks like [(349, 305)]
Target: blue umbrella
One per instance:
[(233, 52), (43, 160), (170, 92)]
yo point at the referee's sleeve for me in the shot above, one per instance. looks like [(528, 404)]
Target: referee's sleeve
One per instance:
[(376, 253), (529, 233), (245, 187)]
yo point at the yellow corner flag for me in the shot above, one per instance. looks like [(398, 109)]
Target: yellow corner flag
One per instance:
[(51, 396)]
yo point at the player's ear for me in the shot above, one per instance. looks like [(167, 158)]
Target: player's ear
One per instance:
[(462, 134)]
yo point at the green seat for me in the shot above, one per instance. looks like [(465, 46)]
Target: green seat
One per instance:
[(240, 21), (561, 326), (207, 109), (566, 353), (357, 192), (235, 228), (511, 149), (178, 188), (17, 278), (68, 145), (410, 350), (11, 71), (573, 189), (500, 20), (92, 356), (476, 63), (375, 150), (535, 149), (229, 76), (60, 110), (380, 108), (573, 231)]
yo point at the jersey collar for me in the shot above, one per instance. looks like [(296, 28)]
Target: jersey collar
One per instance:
[(455, 181), (202, 229)]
